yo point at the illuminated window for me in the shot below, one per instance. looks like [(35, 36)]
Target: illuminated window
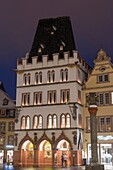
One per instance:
[(26, 79), (23, 122), (49, 121), (29, 79), (108, 124), (63, 121), (40, 77), (64, 75), (54, 121), (37, 98), (25, 99), (27, 122), (2, 140), (65, 95), (79, 76), (79, 96), (35, 122), (112, 97), (51, 97), (51, 76), (68, 121), (36, 78), (40, 121)]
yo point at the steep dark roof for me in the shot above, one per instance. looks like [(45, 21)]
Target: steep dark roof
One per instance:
[(51, 34), (2, 86)]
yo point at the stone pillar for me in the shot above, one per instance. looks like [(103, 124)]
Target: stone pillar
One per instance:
[(93, 131)]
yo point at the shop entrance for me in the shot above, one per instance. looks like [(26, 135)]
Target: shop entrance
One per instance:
[(63, 153), (106, 153), (1, 156), (45, 153), (9, 157), (27, 153)]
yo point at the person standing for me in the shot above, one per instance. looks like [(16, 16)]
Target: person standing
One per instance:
[(62, 159)]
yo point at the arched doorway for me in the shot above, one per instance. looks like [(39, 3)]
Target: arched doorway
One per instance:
[(45, 153), (63, 154), (27, 153)]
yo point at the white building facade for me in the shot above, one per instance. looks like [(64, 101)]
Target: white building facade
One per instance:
[(48, 95), (46, 91)]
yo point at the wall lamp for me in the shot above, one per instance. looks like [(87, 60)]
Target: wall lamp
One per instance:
[(73, 110), (17, 113)]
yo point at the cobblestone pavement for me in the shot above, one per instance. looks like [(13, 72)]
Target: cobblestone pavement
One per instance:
[(106, 167)]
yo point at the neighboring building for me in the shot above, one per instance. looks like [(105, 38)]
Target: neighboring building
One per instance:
[(49, 84), (100, 81), (7, 124)]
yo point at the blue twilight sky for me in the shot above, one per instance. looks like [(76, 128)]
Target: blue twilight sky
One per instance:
[(92, 22)]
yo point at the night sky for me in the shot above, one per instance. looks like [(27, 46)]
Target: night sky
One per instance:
[(92, 22)]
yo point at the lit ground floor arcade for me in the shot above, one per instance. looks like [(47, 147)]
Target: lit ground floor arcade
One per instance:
[(46, 152)]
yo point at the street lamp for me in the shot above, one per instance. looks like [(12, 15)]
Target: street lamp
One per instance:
[(17, 113), (92, 100)]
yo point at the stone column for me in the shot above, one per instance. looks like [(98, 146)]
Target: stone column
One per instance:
[(93, 130), (92, 99)]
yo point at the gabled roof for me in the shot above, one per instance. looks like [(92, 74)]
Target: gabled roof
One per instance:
[(50, 35)]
